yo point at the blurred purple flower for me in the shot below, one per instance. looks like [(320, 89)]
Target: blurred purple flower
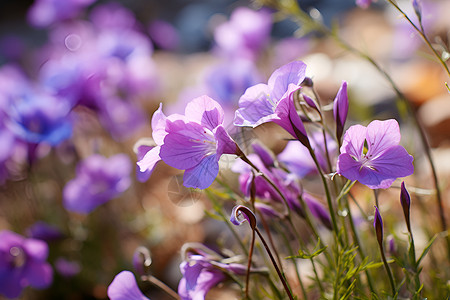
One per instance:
[(124, 287), (274, 102), (195, 142), (245, 34), (163, 34), (44, 13), (98, 180), (67, 268), (202, 269), (44, 231), (340, 109), (364, 3), (22, 263), (372, 155), (298, 160), (39, 117)]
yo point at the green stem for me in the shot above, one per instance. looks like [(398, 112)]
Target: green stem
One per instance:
[(388, 271)]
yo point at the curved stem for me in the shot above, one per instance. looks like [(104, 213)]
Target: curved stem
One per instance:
[(161, 285)]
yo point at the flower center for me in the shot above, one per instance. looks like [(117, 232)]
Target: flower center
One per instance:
[(208, 142)]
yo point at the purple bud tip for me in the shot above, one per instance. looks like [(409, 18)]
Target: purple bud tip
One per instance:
[(405, 200), (240, 214), (142, 260), (378, 224)]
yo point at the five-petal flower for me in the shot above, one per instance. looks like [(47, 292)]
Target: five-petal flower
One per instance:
[(372, 155)]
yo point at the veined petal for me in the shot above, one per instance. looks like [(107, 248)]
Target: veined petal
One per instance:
[(255, 106), (353, 142), (381, 135), (186, 144), (124, 287), (205, 111), (281, 78), (348, 167), (202, 175)]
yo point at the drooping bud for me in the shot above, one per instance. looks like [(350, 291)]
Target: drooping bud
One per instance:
[(405, 200), (310, 101), (142, 260), (307, 82), (265, 154), (378, 224), (340, 109), (240, 214), (417, 10)]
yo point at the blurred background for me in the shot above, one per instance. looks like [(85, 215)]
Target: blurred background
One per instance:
[(80, 80)]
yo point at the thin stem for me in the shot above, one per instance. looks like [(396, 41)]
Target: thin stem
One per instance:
[(155, 281), (249, 264), (358, 243), (421, 32), (282, 278), (388, 270)]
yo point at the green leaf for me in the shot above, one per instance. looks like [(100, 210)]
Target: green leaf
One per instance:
[(427, 248), (304, 255)]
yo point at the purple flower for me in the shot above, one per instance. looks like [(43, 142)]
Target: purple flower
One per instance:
[(46, 12), (340, 109), (245, 34), (364, 3), (66, 267), (274, 102), (298, 160), (164, 34), (98, 180), (124, 287), (44, 231), (22, 263), (372, 155), (202, 269), (196, 141), (38, 117)]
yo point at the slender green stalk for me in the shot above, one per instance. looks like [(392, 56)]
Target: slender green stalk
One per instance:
[(277, 269), (422, 34), (388, 271), (249, 264), (155, 281)]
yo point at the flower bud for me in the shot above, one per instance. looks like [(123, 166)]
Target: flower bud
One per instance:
[(405, 200), (142, 260), (340, 109), (378, 224)]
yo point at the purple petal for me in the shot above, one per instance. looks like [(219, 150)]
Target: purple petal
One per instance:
[(36, 248), (10, 284), (297, 159), (225, 144), (282, 78), (353, 142), (202, 175), (255, 107), (39, 275), (205, 111), (381, 135), (197, 281), (186, 144), (124, 287), (158, 125), (393, 163), (348, 167), (148, 162)]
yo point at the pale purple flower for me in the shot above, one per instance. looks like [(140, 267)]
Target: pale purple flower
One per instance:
[(124, 287), (22, 263), (98, 180), (340, 109), (195, 142), (164, 34), (298, 160), (203, 269), (372, 155), (274, 102), (364, 3), (46, 12), (245, 34), (66, 267)]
